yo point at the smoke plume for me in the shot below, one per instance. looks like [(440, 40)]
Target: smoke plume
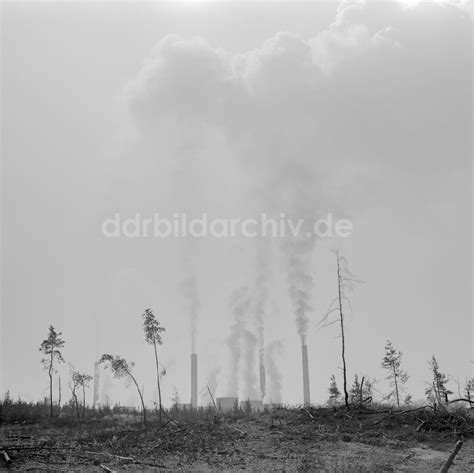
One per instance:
[(261, 301), (249, 368), (239, 304), (298, 253), (272, 355), (189, 291), (299, 113)]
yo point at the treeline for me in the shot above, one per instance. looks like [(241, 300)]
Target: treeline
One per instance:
[(360, 392), (20, 411), (437, 392)]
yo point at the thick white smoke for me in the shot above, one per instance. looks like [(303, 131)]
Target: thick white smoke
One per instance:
[(261, 295), (249, 366), (302, 114), (240, 303), (273, 355), (300, 282), (190, 295)]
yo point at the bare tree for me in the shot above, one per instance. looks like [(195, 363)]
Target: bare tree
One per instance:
[(345, 281), (392, 361), (50, 347), (121, 368), (153, 330)]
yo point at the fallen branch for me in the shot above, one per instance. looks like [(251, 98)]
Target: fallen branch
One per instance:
[(130, 459), (391, 416), (461, 399), (241, 432), (106, 468), (421, 426), (175, 422), (154, 446), (451, 458), (110, 455), (6, 458), (307, 412)]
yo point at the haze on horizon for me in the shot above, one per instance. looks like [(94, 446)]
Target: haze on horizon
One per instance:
[(361, 109)]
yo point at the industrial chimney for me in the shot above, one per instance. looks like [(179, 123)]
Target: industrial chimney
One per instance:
[(96, 385), (262, 372), (306, 395), (194, 369)]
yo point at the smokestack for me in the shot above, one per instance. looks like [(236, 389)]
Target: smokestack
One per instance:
[(96, 385), (262, 372), (306, 396), (194, 371)]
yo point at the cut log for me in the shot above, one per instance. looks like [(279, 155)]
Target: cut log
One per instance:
[(451, 458), (6, 457)]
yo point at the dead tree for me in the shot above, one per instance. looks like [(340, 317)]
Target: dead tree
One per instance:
[(345, 281)]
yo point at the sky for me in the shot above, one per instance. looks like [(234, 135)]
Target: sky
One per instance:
[(361, 109)]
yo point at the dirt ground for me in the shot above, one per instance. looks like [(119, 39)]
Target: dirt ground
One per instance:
[(285, 441)]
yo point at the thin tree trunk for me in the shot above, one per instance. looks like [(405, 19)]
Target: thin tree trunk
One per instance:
[(76, 402), (212, 397), (396, 386), (451, 458), (51, 385), (83, 401), (343, 342), (158, 379), (361, 395), (59, 396), (141, 397)]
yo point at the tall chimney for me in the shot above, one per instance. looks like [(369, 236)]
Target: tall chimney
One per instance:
[(96, 385), (306, 395), (194, 371), (261, 359)]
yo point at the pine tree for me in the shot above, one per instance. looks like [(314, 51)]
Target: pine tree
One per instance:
[(437, 392), (392, 361), (79, 380), (334, 393), (367, 390), (153, 330), (469, 389), (50, 347), (355, 392), (121, 368)]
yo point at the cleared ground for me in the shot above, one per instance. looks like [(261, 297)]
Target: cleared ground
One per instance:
[(287, 440)]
